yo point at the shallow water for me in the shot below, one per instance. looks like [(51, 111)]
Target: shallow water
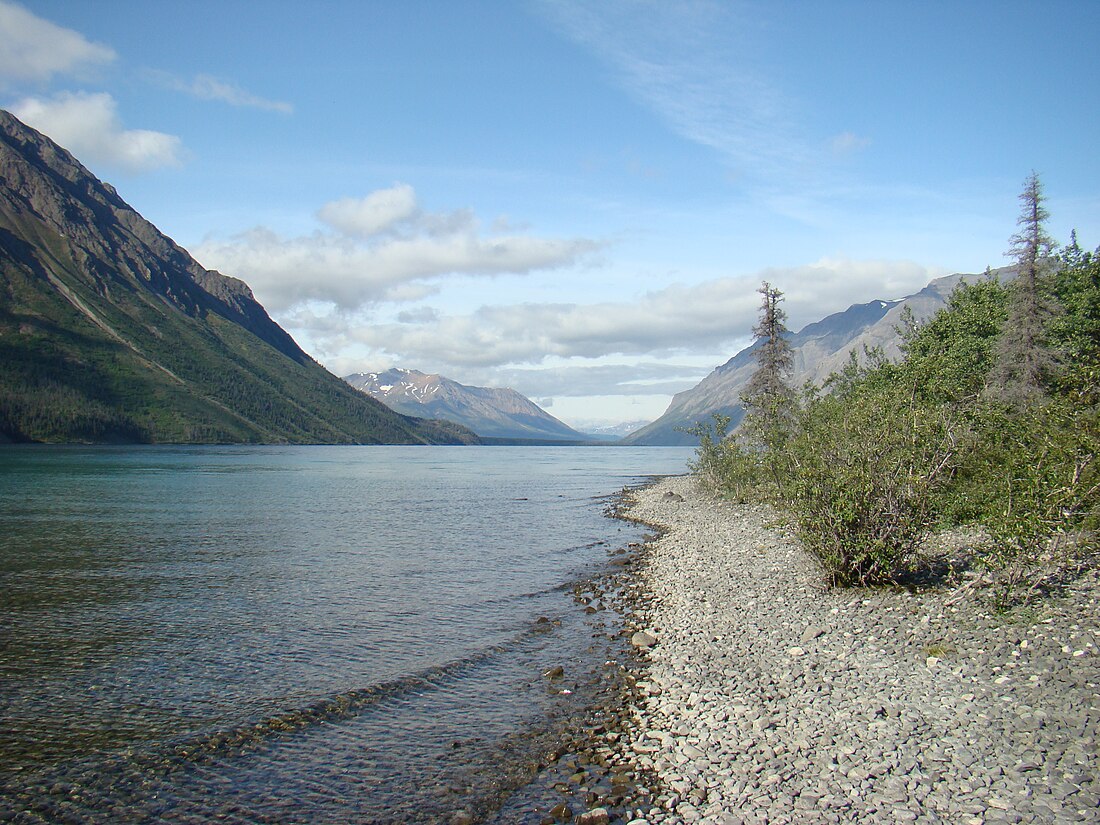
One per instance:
[(293, 634)]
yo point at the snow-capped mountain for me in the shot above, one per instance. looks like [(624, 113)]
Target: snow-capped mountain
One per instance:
[(489, 411)]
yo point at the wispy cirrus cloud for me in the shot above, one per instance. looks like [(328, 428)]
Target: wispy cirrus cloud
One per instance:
[(380, 248), (701, 67), (88, 125), (35, 50), (208, 87), (687, 63)]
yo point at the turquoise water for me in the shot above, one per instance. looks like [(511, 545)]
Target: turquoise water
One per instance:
[(277, 634)]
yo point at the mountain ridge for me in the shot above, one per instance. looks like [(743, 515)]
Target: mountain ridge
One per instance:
[(491, 412), (110, 331), (819, 349)]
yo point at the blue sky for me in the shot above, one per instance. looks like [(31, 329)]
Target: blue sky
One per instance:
[(576, 199)]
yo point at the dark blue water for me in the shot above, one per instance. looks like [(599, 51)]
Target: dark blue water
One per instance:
[(292, 634)]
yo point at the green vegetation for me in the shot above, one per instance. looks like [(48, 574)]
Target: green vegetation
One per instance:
[(110, 332), (939, 649), (768, 400), (133, 367), (990, 419)]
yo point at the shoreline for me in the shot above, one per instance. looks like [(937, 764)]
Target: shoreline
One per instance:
[(767, 698)]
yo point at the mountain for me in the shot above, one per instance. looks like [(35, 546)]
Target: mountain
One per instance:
[(110, 331), (611, 432), (820, 349), (489, 412)]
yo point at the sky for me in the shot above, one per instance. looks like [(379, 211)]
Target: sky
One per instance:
[(574, 198)]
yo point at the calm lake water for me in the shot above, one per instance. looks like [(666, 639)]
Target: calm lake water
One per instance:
[(292, 634)]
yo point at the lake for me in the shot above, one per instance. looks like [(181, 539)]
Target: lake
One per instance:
[(295, 634)]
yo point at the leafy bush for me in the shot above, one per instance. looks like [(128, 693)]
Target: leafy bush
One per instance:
[(861, 478), (1033, 483), (723, 465)]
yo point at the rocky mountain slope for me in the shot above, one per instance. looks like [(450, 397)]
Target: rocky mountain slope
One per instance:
[(489, 412), (110, 331), (820, 349)]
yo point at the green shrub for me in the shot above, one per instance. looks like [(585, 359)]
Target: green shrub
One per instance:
[(861, 478), (1033, 483), (723, 465)]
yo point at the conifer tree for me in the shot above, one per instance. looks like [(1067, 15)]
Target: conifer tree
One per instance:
[(1023, 359), (768, 400)]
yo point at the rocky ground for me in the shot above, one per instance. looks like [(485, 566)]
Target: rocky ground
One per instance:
[(766, 698)]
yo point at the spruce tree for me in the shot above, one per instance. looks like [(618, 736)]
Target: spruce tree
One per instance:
[(767, 399), (1023, 360)]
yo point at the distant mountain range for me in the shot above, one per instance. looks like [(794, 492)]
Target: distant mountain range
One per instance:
[(820, 349), (110, 331), (490, 412), (612, 432)]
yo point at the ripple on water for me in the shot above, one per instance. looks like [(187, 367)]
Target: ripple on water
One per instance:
[(289, 634)]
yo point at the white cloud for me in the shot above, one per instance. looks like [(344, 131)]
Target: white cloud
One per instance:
[(813, 291), (207, 87), (88, 126), (385, 248), (713, 316), (848, 142), (646, 378), (422, 315), (35, 50), (377, 212)]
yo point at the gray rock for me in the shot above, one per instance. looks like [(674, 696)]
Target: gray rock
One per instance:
[(597, 816), (770, 696), (810, 633)]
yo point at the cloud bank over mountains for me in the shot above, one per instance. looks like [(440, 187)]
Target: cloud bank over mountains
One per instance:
[(88, 125), (338, 288), (677, 320)]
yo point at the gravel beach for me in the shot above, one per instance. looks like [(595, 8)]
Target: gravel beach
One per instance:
[(766, 698)]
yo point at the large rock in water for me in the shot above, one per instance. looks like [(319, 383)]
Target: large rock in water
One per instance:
[(110, 331)]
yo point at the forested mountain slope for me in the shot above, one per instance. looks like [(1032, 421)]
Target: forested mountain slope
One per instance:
[(110, 331)]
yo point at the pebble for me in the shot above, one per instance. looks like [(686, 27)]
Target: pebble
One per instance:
[(597, 816), (771, 698)]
